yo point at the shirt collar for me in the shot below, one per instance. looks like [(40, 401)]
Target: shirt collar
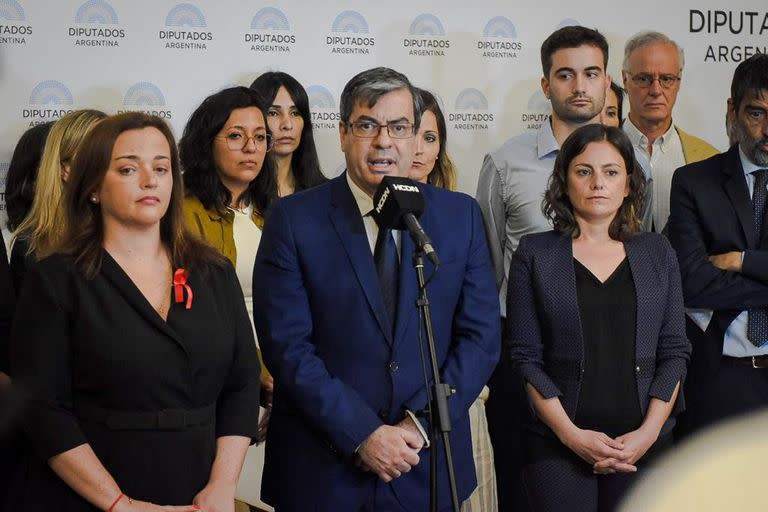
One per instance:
[(638, 138), (546, 143), (363, 200), (747, 164)]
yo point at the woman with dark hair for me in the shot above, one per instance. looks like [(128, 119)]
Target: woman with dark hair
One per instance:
[(290, 123), (228, 179), (613, 111), (133, 342), (22, 173), (596, 326), (432, 165)]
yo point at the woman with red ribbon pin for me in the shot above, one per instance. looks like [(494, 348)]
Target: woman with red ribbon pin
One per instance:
[(134, 343)]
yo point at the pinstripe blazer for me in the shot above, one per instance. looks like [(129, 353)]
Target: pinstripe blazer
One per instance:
[(544, 328)]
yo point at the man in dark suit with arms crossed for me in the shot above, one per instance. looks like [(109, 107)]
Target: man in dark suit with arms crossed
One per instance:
[(340, 335), (719, 228)]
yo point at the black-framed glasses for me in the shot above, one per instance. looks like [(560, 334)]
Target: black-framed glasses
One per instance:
[(237, 140), (371, 129), (645, 80)]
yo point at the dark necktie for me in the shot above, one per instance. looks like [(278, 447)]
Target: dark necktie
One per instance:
[(757, 319), (387, 267)]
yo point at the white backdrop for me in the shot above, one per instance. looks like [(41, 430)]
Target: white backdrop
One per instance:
[(480, 57)]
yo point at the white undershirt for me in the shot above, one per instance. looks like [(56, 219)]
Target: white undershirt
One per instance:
[(247, 236)]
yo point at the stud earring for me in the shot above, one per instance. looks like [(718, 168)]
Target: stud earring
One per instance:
[(94, 199)]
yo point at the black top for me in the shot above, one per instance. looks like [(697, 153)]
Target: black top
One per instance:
[(608, 401), (102, 365)]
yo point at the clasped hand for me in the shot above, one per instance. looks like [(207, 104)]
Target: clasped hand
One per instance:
[(391, 451), (607, 455)]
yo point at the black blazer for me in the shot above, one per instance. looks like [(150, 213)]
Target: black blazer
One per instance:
[(544, 328), (105, 369), (711, 213)]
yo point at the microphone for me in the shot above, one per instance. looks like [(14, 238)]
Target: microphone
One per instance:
[(397, 204)]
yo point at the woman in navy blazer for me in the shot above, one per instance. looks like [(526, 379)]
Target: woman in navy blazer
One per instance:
[(596, 326)]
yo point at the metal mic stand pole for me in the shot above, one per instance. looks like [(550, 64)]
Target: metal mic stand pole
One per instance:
[(439, 421)]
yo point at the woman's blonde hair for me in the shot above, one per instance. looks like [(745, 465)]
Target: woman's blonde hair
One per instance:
[(44, 225)]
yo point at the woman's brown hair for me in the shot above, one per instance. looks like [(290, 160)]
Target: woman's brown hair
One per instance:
[(556, 205), (84, 234)]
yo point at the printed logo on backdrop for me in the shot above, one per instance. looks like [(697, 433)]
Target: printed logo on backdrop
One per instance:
[(322, 106), (715, 26), (499, 39), (568, 22), (270, 32), (537, 111), (96, 25), (427, 37), (471, 112), (185, 29), (14, 27), (4, 166), (148, 98), (350, 35), (49, 100)]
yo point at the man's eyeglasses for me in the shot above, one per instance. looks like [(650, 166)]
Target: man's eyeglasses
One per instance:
[(237, 140), (645, 80), (370, 129)]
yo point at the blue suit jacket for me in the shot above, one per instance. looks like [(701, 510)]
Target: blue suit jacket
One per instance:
[(339, 375), (544, 326)]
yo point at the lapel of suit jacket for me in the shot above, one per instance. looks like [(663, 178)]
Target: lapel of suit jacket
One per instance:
[(736, 188), (346, 219), (562, 291), (646, 283), (408, 287), (117, 276)]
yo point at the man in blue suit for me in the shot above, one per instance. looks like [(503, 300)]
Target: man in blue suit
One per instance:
[(347, 366)]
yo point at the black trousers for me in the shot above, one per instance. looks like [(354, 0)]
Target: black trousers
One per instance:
[(507, 412), (558, 480), (732, 391)]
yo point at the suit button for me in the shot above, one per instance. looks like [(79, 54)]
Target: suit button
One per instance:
[(393, 366), (383, 414), (637, 369)]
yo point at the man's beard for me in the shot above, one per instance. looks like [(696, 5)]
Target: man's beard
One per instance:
[(751, 146), (578, 116)]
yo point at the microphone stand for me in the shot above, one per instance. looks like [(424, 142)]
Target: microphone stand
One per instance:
[(437, 395)]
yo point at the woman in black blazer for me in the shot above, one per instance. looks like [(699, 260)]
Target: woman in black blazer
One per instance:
[(134, 343), (596, 326)]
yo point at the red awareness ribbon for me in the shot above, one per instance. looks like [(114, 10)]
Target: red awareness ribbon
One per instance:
[(179, 285)]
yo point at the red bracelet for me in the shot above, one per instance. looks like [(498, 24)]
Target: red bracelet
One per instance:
[(111, 507)]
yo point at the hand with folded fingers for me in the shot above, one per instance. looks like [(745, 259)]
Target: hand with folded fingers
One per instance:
[(390, 451)]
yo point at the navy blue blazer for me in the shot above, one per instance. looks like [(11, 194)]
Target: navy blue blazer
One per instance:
[(544, 328), (339, 372), (711, 213)]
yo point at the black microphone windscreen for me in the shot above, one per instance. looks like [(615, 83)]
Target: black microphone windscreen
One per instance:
[(394, 198)]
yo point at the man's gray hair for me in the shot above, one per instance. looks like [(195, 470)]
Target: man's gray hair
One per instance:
[(644, 39), (370, 85)]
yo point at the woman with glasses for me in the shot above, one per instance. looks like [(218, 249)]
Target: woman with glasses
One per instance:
[(224, 154), (294, 153), (227, 177)]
